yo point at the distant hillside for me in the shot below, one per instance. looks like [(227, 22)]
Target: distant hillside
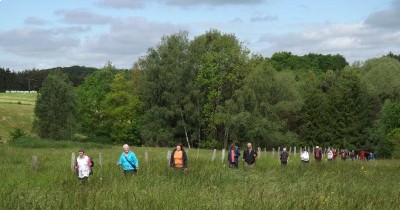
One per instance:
[(32, 79), (16, 111)]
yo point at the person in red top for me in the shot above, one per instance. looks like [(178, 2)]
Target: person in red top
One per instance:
[(344, 154), (334, 154), (362, 155), (318, 154)]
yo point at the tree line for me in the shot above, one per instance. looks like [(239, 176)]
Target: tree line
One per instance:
[(211, 91), (29, 80)]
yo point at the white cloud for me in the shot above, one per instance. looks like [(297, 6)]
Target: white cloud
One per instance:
[(81, 16), (123, 43), (355, 41), (135, 4), (388, 18), (267, 18), (34, 21)]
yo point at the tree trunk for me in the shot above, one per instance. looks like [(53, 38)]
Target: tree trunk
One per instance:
[(184, 127)]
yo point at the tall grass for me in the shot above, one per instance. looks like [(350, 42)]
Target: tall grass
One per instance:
[(209, 185)]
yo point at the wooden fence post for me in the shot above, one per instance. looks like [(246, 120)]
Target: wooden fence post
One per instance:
[(35, 163), (273, 151), (294, 151), (100, 160), (223, 155), (146, 156), (259, 153), (73, 162), (169, 156), (214, 155)]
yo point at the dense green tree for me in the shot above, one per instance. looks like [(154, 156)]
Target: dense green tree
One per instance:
[(220, 64), (166, 91), (55, 110), (121, 106), (90, 96)]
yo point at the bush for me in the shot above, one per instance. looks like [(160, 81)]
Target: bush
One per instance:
[(17, 133)]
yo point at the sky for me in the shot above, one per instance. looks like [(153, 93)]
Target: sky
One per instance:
[(47, 33)]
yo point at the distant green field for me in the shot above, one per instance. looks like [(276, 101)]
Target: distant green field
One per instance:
[(16, 111), (209, 185)]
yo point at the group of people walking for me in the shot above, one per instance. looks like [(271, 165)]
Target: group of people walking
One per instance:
[(129, 163)]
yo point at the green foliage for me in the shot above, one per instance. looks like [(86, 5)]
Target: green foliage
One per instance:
[(17, 133), (382, 78), (121, 107), (90, 96), (394, 139), (34, 143), (55, 110)]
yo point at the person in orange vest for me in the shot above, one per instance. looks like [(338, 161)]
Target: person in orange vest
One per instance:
[(233, 156), (178, 159)]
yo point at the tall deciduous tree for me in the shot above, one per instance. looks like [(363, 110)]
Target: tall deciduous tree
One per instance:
[(55, 110), (90, 96)]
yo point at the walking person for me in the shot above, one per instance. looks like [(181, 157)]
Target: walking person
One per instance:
[(249, 156), (128, 161), (352, 155), (284, 157), (83, 166), (329, 154), (233, 156), (178, 159), (317, 154), (343, 154), (305, 157)]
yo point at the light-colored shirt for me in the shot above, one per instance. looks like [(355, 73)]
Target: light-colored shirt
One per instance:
[(305, 156), (83, 166)]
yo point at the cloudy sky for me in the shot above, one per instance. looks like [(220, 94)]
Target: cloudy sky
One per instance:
[(49, 33)]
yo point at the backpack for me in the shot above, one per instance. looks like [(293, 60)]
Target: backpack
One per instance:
[(284, 156), (318, 153)]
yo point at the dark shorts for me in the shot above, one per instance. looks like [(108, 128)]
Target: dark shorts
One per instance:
[(129, 172)]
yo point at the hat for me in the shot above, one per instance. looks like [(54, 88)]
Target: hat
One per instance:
[(317, 147)]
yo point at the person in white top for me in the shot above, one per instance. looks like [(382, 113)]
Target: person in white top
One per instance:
[(305, 156), (329, 154), (83, 166)]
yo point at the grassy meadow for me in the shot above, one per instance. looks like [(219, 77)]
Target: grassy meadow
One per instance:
[(16, 111), (209, 185)]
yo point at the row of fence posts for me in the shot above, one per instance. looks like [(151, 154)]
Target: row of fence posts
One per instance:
[(35, 161)]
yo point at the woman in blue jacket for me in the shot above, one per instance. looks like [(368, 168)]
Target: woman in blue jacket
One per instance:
[(128, 161)]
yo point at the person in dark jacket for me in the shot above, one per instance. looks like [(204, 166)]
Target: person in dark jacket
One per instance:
[(249, 156), (178, 159), (233, 156), (284, 157)]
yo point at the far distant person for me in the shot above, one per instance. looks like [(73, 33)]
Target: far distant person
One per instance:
[(318, 154), (362, 155), (334, 154), (329, 154), (128, 161), (284, 157), (352, 155), (343, 154), (178, 159), (305, 156), (371, 156), (233, 156), (83, 166), (249, 155)]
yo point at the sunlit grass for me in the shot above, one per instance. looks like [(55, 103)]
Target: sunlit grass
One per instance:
[(209, 185)]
